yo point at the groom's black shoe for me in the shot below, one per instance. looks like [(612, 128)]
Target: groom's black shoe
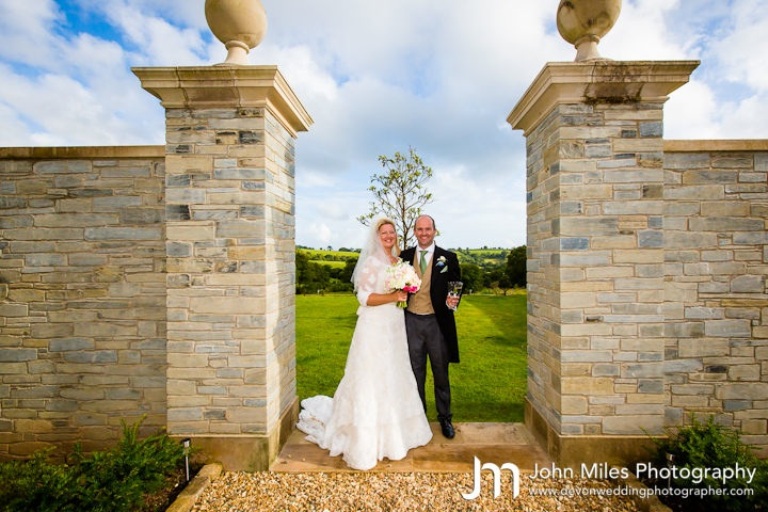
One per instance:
[(447, 428)]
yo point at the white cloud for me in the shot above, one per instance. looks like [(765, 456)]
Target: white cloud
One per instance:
[(643, 32), (159, 42), (689, 113), (747, 32), (16, 131), (26, 31), (748, 119), (468, 207)]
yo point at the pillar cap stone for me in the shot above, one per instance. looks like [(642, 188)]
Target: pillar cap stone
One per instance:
[(206, 87), (599, 81)]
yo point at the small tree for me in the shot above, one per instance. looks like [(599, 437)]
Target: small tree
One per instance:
[(472, 275), (516, 269), (310, 276), (400, 193)]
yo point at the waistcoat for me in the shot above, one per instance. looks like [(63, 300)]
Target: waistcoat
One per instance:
[(420, 302)]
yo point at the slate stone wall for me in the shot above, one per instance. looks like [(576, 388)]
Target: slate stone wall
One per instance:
[(82, 295), (716, 262)]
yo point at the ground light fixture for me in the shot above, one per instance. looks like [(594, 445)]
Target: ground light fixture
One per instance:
[(186, 443)]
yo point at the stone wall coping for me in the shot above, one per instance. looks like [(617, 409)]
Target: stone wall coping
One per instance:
[(709, 146), (597, 81), (78, 152), (211, 87)]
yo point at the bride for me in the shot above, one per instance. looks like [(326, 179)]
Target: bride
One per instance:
[(376, 411)]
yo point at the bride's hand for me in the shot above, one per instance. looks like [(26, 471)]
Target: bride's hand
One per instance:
[(401, 296)]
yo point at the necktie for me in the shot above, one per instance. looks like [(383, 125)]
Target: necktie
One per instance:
[(423, 261)]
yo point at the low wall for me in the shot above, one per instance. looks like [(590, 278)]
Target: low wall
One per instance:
[(715, 300), (82, 295)]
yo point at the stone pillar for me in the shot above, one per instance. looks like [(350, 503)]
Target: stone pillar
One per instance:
[(231, 380), (596, 255)]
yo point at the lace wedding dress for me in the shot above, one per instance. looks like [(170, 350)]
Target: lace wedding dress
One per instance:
[(376, 411)]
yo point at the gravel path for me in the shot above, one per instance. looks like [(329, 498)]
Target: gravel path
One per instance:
[(360, 491)]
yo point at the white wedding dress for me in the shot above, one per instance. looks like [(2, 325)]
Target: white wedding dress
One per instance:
[(376, 411)]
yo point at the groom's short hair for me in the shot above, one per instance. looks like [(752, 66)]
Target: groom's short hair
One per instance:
[(434, 226)]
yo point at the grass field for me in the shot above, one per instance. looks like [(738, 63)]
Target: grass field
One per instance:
[(489, 383), (333, 259), (332, 264)]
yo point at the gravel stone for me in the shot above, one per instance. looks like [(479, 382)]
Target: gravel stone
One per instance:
[(378, 491)]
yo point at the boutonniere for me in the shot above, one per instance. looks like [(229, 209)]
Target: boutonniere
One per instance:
[(441, 264)]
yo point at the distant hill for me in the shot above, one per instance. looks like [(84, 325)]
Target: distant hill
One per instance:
[(482, 257), (335, 259)]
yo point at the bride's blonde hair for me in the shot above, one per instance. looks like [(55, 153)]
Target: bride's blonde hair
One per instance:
[(373, 249), (383, 222)]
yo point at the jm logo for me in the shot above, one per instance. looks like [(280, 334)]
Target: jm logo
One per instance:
[(496, 479)]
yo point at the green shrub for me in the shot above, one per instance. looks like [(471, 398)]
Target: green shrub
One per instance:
[(710, 445), (114, 480), (35, 485)]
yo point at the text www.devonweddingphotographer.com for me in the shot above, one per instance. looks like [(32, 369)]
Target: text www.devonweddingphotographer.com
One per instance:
[(642, 492), (603, 472)]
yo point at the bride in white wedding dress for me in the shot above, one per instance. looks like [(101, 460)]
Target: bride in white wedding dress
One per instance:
[(376, 412)]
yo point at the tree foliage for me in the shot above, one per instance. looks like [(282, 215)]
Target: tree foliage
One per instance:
[(472, 276), (315, 277), (310, 277), (400, 192), (516, 266)]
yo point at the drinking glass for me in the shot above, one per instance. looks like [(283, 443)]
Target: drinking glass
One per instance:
[(454, 290)]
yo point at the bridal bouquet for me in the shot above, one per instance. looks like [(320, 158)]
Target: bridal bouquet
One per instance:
[(402, 276)]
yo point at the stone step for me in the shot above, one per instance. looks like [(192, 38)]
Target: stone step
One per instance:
[(489, 442)]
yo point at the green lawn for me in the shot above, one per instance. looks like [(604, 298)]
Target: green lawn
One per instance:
[(488, 384)]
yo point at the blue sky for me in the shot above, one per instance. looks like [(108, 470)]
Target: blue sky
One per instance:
[(440, 76)]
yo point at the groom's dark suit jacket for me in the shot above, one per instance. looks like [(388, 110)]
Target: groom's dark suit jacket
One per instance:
[(445, 267)]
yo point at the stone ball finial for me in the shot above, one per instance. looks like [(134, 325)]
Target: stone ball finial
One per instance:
[(239, 24), (583, 22)]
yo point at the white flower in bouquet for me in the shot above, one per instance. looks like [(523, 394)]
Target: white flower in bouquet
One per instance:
[(402, 276)]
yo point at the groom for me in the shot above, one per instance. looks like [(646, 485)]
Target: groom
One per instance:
[(429, 323)]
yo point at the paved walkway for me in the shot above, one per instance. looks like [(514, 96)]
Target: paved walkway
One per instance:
[(489, 442)]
